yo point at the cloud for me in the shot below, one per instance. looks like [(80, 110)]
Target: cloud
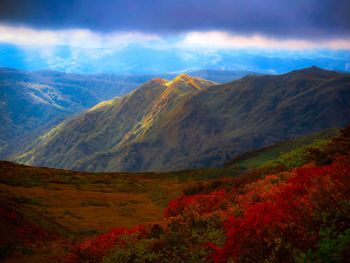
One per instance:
[(225, 40), (291, 19), (25, 36)]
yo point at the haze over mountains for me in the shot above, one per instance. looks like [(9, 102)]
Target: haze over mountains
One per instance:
[(190, 122)]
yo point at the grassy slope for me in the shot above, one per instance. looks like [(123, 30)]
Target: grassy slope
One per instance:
[(105, 199), (255, 159), (66, 205)]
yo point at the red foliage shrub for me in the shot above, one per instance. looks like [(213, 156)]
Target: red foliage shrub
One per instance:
[(199, 204), (93, 250), (279, 220)]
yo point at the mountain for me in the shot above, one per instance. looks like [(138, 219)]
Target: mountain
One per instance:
[(117, 121), (189, 122), (32, 102)]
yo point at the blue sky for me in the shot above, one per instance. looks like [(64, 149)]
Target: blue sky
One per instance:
[(155, 36)]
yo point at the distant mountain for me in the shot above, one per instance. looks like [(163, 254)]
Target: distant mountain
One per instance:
[(190, 122), (32, 102)]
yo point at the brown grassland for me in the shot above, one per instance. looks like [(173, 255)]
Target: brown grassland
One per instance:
[(57, 207)]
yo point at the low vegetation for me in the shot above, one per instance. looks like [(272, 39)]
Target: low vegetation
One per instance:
[(291, 207)]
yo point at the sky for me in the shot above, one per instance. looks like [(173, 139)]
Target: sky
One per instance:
[(151, 36)]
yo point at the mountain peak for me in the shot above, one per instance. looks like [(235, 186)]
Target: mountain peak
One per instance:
[(187, 81), (183, 78), (315, 68)]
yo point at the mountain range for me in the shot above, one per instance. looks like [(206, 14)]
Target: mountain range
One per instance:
[(190, 122)]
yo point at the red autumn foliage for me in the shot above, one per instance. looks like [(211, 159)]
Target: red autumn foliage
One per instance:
[(199, 204), (93, 250), (287, 215)]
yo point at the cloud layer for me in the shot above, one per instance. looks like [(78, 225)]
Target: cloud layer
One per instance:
[(297, 19)]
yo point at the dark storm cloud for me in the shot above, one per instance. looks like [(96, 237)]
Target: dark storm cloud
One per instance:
[(287, 19)]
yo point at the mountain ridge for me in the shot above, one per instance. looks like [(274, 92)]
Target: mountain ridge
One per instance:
[(137, 109)]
